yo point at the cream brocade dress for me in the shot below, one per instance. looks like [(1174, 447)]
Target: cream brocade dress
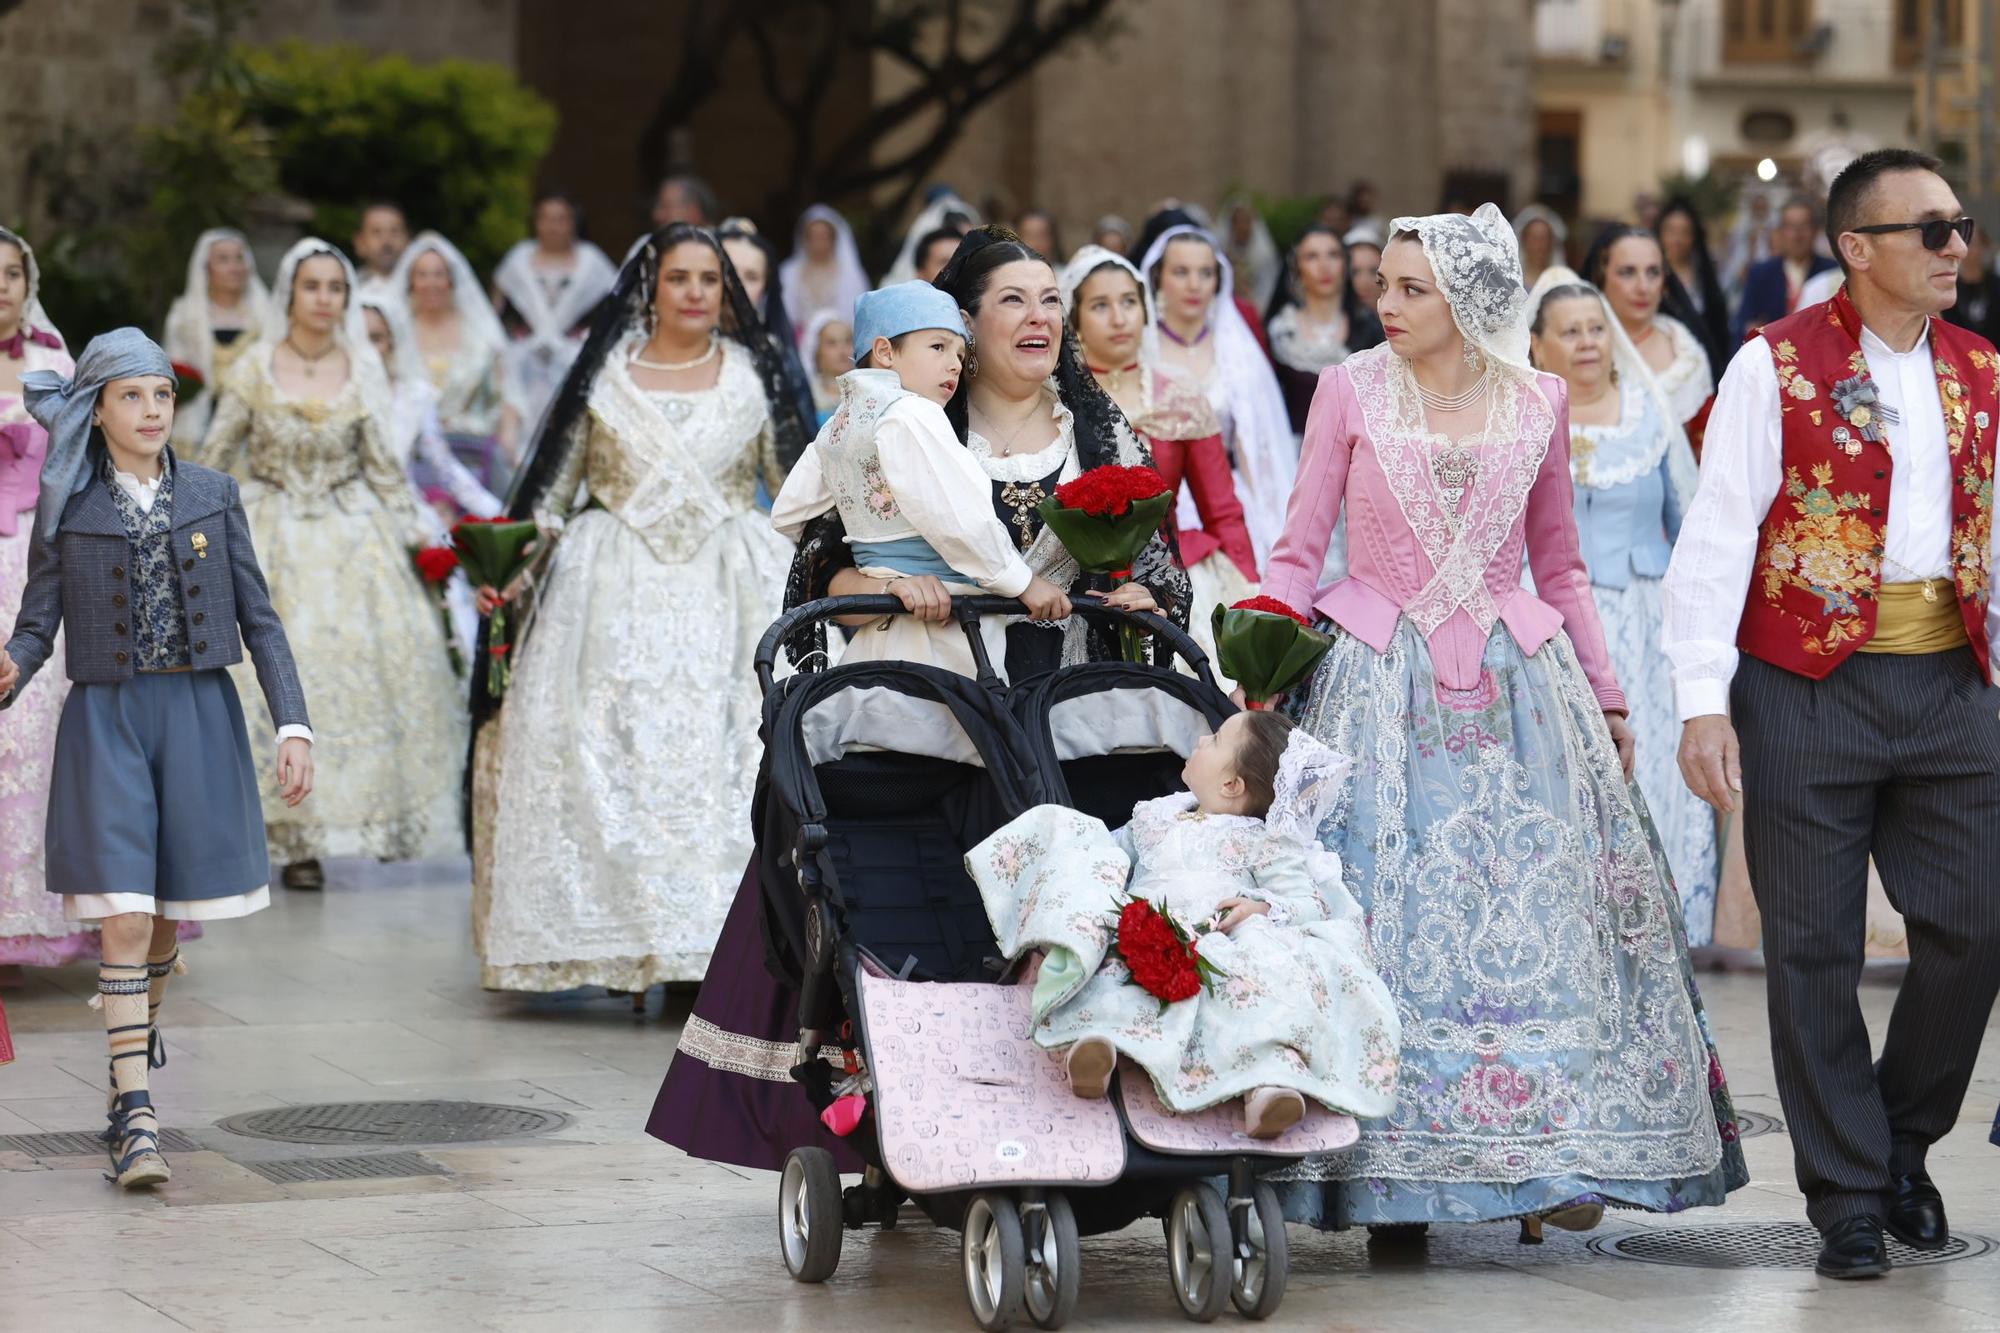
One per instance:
[(612, 797), (333, 521)]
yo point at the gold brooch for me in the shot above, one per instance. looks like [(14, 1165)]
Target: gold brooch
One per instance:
[(200, 543)]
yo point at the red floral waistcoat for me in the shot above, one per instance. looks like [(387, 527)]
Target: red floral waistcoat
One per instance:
[(1812, 597)]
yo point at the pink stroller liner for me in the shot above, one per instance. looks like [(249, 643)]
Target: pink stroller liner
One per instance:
[(1219, 1129), (964, 1100)]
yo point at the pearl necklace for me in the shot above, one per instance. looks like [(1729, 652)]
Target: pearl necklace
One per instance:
[(1457, 402), (714, 345)]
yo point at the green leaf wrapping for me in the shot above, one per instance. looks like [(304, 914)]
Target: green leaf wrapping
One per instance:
[(491, 554), (1106, 545), (1265, 653)]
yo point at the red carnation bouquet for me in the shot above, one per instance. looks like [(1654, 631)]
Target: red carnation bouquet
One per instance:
[(493, 551), (1266, 647), (1105, 518), (1162, 954), (435, 566)]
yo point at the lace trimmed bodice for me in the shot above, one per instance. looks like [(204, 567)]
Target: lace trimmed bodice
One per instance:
[(472, 386), (317, 452), (1189, 862), (1303, 345), (671, 466)]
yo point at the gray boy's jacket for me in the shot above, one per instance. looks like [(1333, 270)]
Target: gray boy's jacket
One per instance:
[(81, 579)]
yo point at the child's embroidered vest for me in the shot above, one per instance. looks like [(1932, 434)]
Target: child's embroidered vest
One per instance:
[(154, 618), (1815, 588)]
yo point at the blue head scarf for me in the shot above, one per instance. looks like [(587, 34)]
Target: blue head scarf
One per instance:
[(64, 408), (891, 312)]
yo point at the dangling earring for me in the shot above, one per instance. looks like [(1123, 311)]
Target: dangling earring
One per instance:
[(1614, 375), (971, 359), (1471, 357)]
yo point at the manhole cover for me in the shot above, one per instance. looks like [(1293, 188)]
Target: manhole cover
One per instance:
[(85, 1143), (380, 1166), (1750, 1124), (395, 1122), (1792, 1245)]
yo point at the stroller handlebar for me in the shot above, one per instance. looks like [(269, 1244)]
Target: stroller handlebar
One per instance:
[(967, 610)]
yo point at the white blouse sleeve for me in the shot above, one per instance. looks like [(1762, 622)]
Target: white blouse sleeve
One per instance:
[(1715, 555), (458, 481), (804, 496), (947, 497)]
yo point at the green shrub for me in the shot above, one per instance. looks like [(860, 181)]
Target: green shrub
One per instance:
[(456, 143)]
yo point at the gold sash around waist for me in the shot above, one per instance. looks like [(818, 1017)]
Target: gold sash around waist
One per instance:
[(1906, 623)]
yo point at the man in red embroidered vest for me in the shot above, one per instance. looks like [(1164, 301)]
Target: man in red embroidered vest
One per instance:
[(1833, 640)]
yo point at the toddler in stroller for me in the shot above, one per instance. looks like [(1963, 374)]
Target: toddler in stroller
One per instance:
[(1289, 1006), (915, 1035)]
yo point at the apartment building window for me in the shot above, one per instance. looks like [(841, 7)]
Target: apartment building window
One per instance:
[(1765, 31), (1914, 21)]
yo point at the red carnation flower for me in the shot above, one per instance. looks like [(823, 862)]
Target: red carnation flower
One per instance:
[(436, 563), (1106, 492), (1269, 604), (1162, 963)]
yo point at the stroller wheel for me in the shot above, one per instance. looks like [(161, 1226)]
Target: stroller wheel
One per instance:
[(1198, 1252), (1263, 1257), (995, 1260), (1055, 1261), (809, 1215)]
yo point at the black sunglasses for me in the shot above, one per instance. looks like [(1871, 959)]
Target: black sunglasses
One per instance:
[(1937, 232)]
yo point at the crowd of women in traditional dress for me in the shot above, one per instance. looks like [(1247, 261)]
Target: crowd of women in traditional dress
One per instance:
[(368, 405)]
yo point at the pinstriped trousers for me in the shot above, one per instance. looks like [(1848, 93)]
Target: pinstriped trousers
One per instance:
[(1895, 757)]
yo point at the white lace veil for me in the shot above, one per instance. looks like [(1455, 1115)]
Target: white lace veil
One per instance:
[(1086, 262), (1311, 778), (1246, 394), (1477, 261), (1634, 376), (32, 314), (406, 362), (851, 278), (1258, 259), (476, 317), (190, 335), (350, 334), (921, 226)]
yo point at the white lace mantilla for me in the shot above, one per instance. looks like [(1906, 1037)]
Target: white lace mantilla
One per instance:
[(1510, 446), (1688, 380)]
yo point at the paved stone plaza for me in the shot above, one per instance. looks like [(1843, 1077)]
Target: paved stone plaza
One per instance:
[(367, 993)]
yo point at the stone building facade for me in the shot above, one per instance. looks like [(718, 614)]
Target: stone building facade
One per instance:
[(1184, 98), (1191, 99)]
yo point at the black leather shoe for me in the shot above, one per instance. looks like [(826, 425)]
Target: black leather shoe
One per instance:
[(1916, 1214), (1853, 1248)]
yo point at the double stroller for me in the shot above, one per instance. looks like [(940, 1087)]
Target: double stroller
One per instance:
[(878, 778)]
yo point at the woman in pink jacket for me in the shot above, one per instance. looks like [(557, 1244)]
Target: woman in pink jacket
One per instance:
[(1556, 1057)]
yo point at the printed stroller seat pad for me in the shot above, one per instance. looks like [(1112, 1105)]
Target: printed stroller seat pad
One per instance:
[(1219, 1129), (964, 1099)]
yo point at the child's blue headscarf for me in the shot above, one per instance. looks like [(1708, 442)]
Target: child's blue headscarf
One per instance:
[(64, 408), (891, 312)]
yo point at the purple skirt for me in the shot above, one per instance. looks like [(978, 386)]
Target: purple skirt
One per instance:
[(729, 1095)]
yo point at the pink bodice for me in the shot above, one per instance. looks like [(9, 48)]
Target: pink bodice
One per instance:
[(1454, 573)]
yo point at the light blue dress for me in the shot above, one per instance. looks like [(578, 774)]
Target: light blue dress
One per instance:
[(1555, 1046), (1627, 530)]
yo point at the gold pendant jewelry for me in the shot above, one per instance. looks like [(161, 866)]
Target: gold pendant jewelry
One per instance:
[(200, 543), (1023, 498), (1930, 591)]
